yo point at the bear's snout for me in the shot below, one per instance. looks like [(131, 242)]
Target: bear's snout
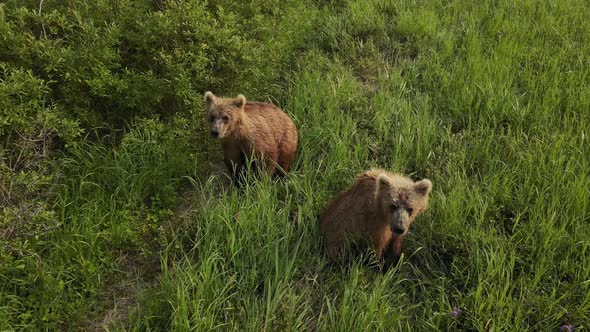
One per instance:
[(397, 229), (214, 133)]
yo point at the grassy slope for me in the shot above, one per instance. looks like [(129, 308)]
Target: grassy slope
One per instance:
[(491, 102)]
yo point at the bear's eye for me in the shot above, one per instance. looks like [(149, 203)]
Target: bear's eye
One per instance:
[(410, 211), (393, 207), (225, 118)]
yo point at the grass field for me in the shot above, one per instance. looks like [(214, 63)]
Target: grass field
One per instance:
[(490, 100)]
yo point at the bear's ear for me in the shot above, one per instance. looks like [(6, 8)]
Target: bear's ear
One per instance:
[(209, 98), (382, 182), (423, 187), (240, 101)]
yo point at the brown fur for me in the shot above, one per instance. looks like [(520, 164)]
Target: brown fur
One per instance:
[(376, 204), (252, 129)]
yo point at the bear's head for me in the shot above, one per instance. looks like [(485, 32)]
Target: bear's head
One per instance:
[(400, 200), (224, 114)]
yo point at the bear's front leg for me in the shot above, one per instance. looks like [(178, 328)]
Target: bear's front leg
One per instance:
[(234, 161), (235, 170), (335, 244), (271, 165), (393, 252), (380, 238)]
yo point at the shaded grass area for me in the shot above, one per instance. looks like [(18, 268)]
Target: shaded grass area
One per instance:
[(490, 101)]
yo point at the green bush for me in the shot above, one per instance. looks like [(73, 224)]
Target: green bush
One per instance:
[(104, 62), (29, 124)]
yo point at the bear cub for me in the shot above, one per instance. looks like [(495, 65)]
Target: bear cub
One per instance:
[(260, 131), (379, 207)]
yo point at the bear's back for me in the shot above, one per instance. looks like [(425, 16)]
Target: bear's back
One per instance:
[(270, 116), (263, 110)]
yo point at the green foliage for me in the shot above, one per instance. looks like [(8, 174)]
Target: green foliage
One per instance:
[(29, 125), (114, 204), (107, 61)]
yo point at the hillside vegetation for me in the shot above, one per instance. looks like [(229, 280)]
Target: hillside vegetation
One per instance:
[(116, 212)]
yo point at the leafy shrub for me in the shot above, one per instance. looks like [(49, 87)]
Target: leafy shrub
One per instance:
[(28, 126), (106, 62)]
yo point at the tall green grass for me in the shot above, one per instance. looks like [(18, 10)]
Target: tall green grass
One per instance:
[(489, 100)]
